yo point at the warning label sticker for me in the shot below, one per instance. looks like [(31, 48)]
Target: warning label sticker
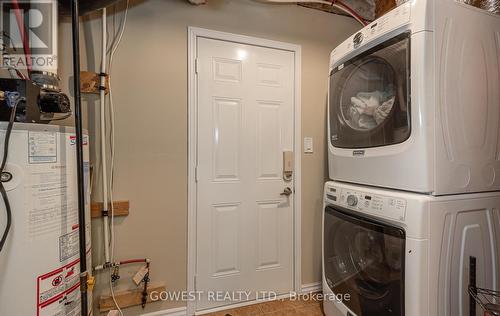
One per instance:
[(85, 138), (42, 147), (58, 291)]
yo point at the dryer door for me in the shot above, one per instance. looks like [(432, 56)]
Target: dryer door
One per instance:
[(364, 259), (369, 103)]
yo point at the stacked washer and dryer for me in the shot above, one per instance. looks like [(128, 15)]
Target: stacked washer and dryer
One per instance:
[(414, 152)]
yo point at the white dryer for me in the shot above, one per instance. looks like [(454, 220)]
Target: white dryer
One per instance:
[(414, 101), (391, 253)]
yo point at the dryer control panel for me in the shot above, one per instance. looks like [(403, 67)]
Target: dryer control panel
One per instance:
[(374, 204)]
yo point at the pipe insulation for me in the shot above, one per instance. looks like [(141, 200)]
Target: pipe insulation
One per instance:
[(340, 5), (492, 6), (86, 6)]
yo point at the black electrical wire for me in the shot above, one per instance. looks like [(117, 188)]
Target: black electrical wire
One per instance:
[(3, 192)]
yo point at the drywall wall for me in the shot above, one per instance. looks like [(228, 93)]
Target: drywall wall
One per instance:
[(150, 93)]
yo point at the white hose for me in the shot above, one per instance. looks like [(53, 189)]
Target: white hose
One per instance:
[(114, 48), (102, 95), (112, 125)]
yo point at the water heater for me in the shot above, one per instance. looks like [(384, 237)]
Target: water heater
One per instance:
[(39, 264)]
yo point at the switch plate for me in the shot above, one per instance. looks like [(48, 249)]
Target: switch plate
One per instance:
[(308, 145)]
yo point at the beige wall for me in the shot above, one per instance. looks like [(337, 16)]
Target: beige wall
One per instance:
[(150, 92)]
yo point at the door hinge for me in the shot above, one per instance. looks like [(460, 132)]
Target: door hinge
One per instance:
[(195, 285), (196, 66), (196, 174)]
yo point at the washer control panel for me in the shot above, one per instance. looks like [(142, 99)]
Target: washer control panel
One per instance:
[(394, 19), (375, 204), (352, 200)]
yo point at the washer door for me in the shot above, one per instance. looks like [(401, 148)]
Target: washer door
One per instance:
[(365, 259), (369, 101)]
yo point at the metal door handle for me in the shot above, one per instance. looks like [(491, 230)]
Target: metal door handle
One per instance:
[(286, 192)]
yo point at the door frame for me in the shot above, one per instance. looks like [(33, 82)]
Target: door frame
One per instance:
[(193, 34)]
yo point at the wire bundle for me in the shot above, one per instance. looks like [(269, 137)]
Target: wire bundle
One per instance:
[(12, 99)]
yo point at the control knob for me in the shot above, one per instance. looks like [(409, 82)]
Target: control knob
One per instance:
[(352, 200)]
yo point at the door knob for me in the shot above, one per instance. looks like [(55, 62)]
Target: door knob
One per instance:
[(286, 192)]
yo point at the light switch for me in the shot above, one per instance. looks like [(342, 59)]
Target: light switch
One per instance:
[(308, 145)]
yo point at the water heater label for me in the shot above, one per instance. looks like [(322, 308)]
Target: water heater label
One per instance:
[(69, 245), (51, 200), (42, 147)]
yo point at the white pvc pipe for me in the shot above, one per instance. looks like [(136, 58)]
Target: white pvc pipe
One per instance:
[(102, 95)]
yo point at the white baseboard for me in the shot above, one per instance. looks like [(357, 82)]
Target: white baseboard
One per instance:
[(180, 311), (311, 288)]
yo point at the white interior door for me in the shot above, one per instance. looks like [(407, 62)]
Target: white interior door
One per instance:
[(245, 123)]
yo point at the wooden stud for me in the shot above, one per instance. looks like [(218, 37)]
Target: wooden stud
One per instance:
[(90, 82), (120, 208), (128, 298)]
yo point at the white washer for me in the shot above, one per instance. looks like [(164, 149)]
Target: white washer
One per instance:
[(415, 101), (398, 253)]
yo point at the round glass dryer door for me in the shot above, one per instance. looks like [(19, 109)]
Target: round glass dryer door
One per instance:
[(369, 101)]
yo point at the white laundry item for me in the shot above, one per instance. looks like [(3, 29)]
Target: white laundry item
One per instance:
[(361, 121), (367, 102), (383, 111), (367, 122), (354, 114), (368, 110)]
